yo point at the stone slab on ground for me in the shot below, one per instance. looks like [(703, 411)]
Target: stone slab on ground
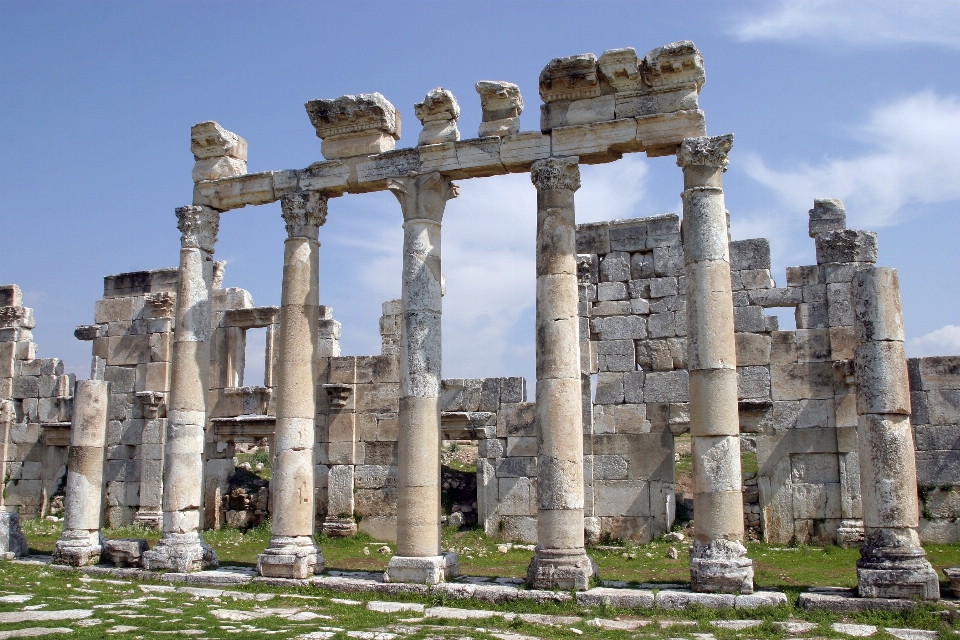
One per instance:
[(11, 617), (796, 628), (394, 607), (855, 630), (912, 634), (34, 632), (846, 601)]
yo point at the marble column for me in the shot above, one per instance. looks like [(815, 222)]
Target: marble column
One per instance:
[(82, 540), (181, 548), (560, 561), (718, 561), (419, 558), (892, 563), (293, 553)]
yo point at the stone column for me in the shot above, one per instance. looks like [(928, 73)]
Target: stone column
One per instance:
[(13, 543), (292, 552), (560, 561), (718, 561), (892, 563), (419, 558), (82, 540), (182, 547)]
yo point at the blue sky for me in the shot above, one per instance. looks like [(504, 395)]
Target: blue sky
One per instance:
[(859, 101)]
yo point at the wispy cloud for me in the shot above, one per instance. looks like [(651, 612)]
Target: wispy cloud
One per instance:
[(945, 341), (862, 22), (913, 161)]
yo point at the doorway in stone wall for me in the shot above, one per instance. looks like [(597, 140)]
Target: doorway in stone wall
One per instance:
[(458, 468)]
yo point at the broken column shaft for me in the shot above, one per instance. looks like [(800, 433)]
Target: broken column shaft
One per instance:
[(560, 561), (182, 547), (718, 561), (419, 559), (82, 541), (892, 563), (292, 552)]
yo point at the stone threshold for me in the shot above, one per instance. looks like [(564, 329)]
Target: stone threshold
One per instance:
[(465, 587), (840, 600)]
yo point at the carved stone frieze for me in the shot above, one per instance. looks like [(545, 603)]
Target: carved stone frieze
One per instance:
[(304, 212), (706, 151), (348, 114), (161, 304), (621, 68), (199, 226), (570, 78), (556, 173), (674, 64)]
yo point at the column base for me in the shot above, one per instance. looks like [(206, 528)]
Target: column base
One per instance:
[(896, 573), (339, 527), (78, 548), (561, 569), (720, 567), (180, 552), (297, 558), (850, 533), (422, 570), (149, 519), (13, 543)]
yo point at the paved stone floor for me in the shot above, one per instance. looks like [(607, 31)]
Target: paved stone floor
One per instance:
[(37, 600)]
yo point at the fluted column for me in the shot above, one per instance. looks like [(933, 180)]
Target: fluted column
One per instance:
[(292, 552), (82, 540), (718, 561), (182, 547), (423, 198), (892, 563), (560, 561)]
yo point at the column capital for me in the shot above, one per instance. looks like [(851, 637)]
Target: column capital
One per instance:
[(556, 173), (198, 226), (705, 151), (304, 212), (423, 196)]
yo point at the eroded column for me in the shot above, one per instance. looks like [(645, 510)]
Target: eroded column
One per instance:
[(419, 557), (892, 563), (718, 561), (182, 547), (560, 561), (82, 540), (292, 552)]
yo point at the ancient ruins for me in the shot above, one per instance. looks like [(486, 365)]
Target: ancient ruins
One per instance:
[(646, 329)]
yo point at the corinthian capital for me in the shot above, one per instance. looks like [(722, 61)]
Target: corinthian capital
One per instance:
[(304, 212), (198, 226), (704, 151), (423, 196), (556, 173)]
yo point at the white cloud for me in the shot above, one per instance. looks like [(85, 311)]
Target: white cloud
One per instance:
[(859, 22), (913, 160), (945, 341)]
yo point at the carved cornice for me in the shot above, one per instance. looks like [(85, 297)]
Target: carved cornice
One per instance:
[(15, 317), (423, 196), (304, 212), (161, 303), (556, 173), (705, 151), (199, 226)]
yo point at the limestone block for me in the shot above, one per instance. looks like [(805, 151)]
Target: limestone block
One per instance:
[(827, 215), (570, 78), (616, 355), (620, 418), (518, 151), (847, 245), (814, 293), (919, 415), (610, 388), (639, 289), (612, 291), (516, 419), (753, 382), (812, 316), (784, 297), (663, 287), (938, 467), (783, 347), (753, 349), (513, 390), (627, 236), (362, 117), (935, 373), (621, 327), (210, 140), (801, 381), (615, 267), (612, 308), (614, 498), (593, 238), (813, 345), (516, 496), (816, 501), (815, 413), (217, 168), (29, 386), (750, 254), (840, 304), (748, 319), (677, 63), (843, 341), (662, 325), (666, 386), (499, 101), (943, 407), (10, 296)]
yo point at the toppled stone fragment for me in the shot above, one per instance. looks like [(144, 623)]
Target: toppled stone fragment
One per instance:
[(827, 214), (363, 124), (502, 105), (219, 153), (674, 64), (439, 113)]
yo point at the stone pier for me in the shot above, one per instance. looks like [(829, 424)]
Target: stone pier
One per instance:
[(892, 563), (182, 547), (82, 540), (292, 552), (718, 561), (419, 557), (13, 544), (560, 561)]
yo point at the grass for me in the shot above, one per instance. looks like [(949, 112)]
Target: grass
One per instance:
[(257, 456)]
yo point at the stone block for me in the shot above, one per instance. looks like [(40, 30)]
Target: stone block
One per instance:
[(815, 413), (827, 215), (516, 496), (629, 236), (748, 319), (513, 390), (667, 386), (936, 468), (377, 398), (620, 418), (612, 291), (813, 345), (612, 308), (753, 349), (815, 468), (610, 388), (753, 382), (517, 419), (767, 297), (667, 261), (615, 267), (941, 372), (516, 467), (522, 446), (761, 279), (642, 267), (118, 309), (839, 304), (843, 341), (593, 238), (783, 347), (614, 498), (663, 287), (812, 315), (620, 328), (943, 406), (802, 380), (616, 355), (29, 386), (846, 245), (930, 437), (750, 254), (633, 387), (662, 325), (48, 410)]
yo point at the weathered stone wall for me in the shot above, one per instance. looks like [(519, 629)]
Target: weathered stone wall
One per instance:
[(935, 396), (38, 432)]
